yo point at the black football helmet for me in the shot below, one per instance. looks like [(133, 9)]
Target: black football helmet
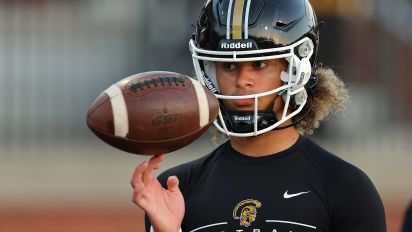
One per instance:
[(254, 30)]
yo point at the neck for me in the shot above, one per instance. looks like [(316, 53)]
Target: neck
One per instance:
[(265, 144)]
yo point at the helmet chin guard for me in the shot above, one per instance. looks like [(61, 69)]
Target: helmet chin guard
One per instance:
[(228, 32), (244, 121)]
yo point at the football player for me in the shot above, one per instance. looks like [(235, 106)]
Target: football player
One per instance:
[(259, 58)]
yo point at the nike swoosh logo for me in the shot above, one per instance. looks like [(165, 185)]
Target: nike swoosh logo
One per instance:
[(286, 195)]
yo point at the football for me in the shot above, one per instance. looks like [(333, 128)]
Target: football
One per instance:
[(152, 113)]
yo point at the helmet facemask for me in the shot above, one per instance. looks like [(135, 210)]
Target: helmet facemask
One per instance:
[(293, 92)]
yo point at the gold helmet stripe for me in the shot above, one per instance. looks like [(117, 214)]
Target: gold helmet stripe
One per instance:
[(237, 19)]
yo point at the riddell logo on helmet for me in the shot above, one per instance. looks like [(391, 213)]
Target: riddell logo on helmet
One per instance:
[(209, 84), (242, 118), (236, 45)]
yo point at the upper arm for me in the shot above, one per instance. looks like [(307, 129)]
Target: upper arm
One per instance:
[(356, 204)]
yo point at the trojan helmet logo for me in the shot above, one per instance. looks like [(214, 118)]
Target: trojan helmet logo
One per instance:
[(246, 211)]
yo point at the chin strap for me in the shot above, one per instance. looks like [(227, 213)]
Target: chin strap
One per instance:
[(243, 121)]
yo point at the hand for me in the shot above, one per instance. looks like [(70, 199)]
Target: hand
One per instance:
[(164, 207)]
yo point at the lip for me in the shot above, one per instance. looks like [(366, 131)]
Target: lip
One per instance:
[(244, 102)]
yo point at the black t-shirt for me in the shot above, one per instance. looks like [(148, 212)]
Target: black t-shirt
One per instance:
[(303, 188)]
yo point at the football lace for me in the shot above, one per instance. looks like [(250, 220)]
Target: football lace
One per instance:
[(155, 82)]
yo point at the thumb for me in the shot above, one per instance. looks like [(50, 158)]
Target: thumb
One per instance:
[(173, 184)]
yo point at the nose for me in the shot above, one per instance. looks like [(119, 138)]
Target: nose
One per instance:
[(245, 78)]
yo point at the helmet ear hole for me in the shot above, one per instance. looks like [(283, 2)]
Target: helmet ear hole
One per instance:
[(303, 74)]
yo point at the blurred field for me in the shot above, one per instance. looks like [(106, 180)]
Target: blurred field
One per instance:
[(72, 218)]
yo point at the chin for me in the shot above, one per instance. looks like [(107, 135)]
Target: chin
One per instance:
[(241, 108), (250, 107)]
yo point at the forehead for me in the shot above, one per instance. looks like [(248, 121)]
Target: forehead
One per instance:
[(274, 62)]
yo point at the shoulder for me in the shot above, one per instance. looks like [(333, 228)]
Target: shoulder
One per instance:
[(329, 165), (336, 172), (350, 194), (188, 173)]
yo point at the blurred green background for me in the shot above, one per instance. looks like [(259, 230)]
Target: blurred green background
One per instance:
[(56, 56)]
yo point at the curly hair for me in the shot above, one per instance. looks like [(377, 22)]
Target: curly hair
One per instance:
[(331, 96)]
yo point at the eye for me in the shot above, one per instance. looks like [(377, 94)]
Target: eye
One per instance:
[(259, 64), (229, 66)]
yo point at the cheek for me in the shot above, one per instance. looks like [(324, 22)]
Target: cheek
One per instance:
[(270, 80), (225, 83), (268, 83)]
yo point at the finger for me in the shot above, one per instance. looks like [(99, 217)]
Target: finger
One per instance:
[(156, 159), (153, 162), (137, 175), (173, 184), (139, 191), (140, 201), (139, 187)]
